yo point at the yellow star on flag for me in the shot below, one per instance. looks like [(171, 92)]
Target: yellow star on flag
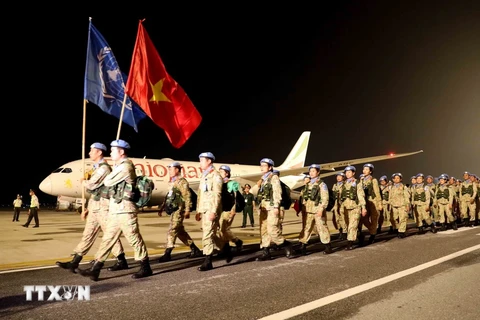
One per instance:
[(158, 95)]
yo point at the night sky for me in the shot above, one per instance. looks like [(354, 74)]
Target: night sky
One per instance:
[(366, 78)]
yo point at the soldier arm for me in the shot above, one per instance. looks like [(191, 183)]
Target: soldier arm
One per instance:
[(183, 186), (474, 186), (376, 190), (451, 195), (277, 191), (96, 180), (118, 174), (361, 196), (217, 184), (406, 196), (323, 196)]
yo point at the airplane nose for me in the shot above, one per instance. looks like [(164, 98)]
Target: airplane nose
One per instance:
[(46, 185)]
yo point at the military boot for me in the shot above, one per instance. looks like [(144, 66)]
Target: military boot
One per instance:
[(341, 235), (145, 270), (361, 240), (71, 265), (167, 256), (288, 249), (454, 225), (93, 272), (238, 245), (379, 229), (433, 228), (401, 235), (195, 252), (444, 227), (391, 230), (467, 222), (350, 245), (303, 249), (420, 230), (371, 239), (265, 255), (227, 252), (207, 264), (328, 249), (121, 263)]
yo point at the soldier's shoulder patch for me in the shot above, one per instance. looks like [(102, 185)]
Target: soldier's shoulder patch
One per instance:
[(324, 186), (354, 183)]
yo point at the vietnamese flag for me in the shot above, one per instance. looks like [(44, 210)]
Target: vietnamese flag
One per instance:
[(158, 94)]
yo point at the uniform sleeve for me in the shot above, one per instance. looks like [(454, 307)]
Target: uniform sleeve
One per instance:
[(96, 180), (118, 174), (216, 198), (451, 195), (376, 190), (184, 188), (406, 196), (361, 196), (427, 195), (474, 185), (277, 191), (324, 195)]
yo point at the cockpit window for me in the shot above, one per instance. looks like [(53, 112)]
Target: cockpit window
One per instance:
[(67, 170), (57, 170)]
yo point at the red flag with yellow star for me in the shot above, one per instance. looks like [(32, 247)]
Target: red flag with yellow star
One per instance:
[(158, 94)]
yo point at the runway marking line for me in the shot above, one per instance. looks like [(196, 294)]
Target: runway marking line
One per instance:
[(301, 309)]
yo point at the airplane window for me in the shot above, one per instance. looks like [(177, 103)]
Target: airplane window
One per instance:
[(67, 170), (57, 170)]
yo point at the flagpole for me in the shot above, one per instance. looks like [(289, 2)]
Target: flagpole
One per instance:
[(121, 115), (83, 150)]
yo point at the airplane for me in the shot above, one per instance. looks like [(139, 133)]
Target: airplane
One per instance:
[(65, 180)]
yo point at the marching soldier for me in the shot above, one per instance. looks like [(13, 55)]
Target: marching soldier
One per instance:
[(228, 211), (421, 203), (337, 214), (399, 201), (353, 204), (33, 210), (468, 192), (455, 210), (96, 212), (386, 217), (269, 198), (122, 214), (178, 204), (433, 209), (373, 200), (315, 194), (443, 202), (302, 203), (209, 208)]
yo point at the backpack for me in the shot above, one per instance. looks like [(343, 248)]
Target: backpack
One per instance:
[(142, 192), (331, 199), (229, 198), (286, 202)]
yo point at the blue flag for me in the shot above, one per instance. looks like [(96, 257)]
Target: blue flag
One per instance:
[(105, 83)]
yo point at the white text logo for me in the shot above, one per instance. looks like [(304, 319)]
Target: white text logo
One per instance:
[(57, 293)]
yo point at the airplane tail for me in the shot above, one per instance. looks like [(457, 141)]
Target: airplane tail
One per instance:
[(296, 157)]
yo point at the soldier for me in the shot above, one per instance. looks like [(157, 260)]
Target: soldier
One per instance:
[(303, 202), (122, 214), (353, 204), (249, 206), (178, 204), (337, 214), (421, 204), (281, 214), (452, 182), (399, 201), (386, 217), (413, 180), (269, 198), (373, 200), (96, 212), (477, 182), (316, 196), (433, 210), (209, 208), (443, 202), (468, 192), (33, 210), (228, 211), (17, 207)]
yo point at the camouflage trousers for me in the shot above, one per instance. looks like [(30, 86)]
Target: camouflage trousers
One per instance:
[(420, 212), (270, 230), (352, 218), (118, 223), (96, 221), (320, 222), (434, 214), (338, 218), (400, 214), (370, 220), (467, 209), (210, 238), (445, 210), (225, 224), (385, 217), (177, 230)]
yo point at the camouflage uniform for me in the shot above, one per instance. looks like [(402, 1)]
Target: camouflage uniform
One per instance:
[(443, 201), (338, 215), (399, 201), (373, 200), (386, 217), (421, 204), (316, 197), (433, 210), (468, 193), (228, 214), (353, 200)]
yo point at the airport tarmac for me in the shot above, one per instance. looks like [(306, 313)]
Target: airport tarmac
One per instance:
[(60, 232)]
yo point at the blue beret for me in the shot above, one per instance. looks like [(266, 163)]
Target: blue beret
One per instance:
[(350, 168), (315, 166), (225, 167), (207, 155), (120, 144), (268, 161), (467, 173), (420, 175), (341, 174), (398, 174), (429, 176), (383, 178), (175, 164), (98, 145), (369, 165)]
